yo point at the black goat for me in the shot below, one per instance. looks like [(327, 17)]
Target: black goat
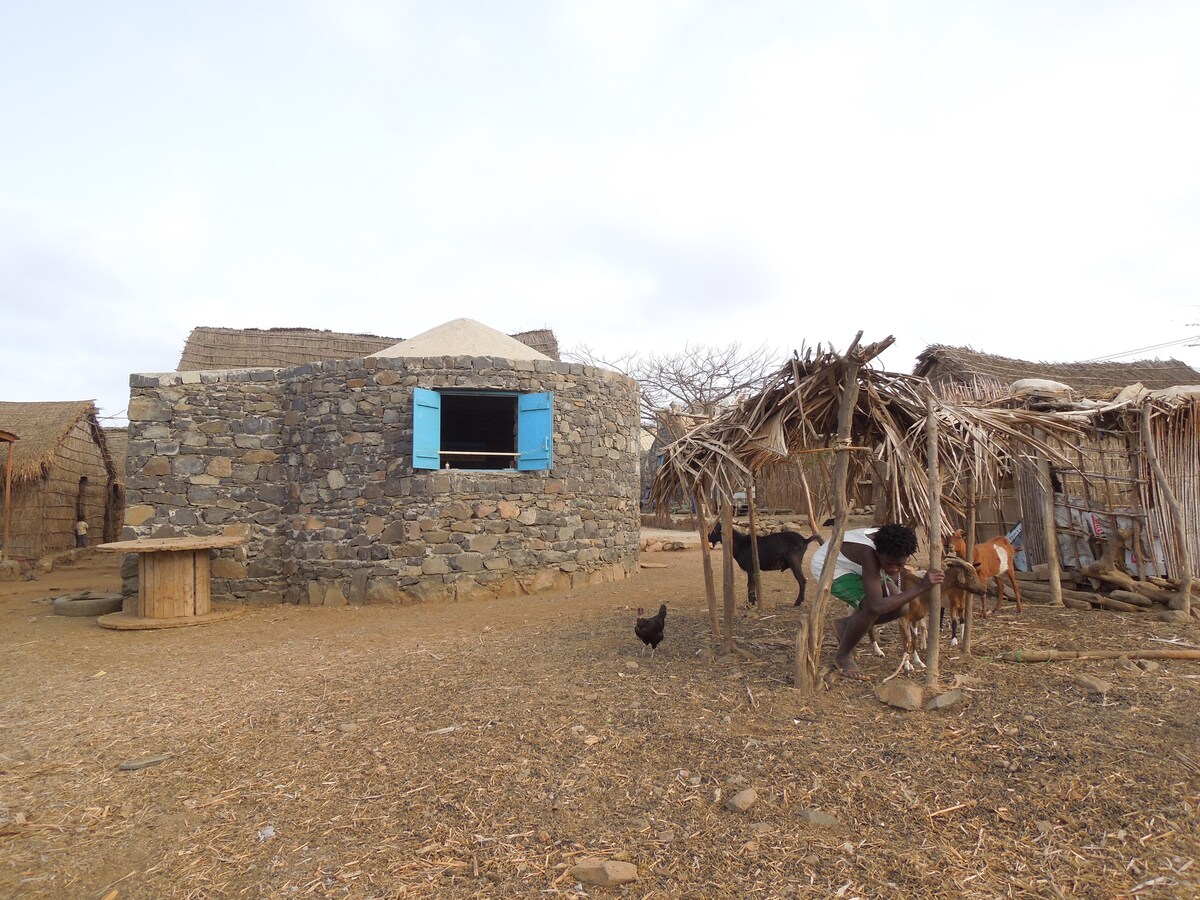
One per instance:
[(776, 552)]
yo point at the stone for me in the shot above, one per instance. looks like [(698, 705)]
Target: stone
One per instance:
[(1148, 665), (900, 694), (1093, 684), (227, 568), (604, 872), (220, 467), (815, 817), (945, 700), (156, 467), (147, 409), (742, 800), (139, 515), (336, 480)]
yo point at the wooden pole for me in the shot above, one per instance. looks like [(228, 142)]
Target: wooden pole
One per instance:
[(811, 629), (1053, 565), (935, 541), (808, 507), (969, 613), (1053, 655), (710, 589), (7, 495), (758, 599), (1177, 520), (727, 565)]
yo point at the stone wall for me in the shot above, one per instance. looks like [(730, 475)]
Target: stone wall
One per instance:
[(204, 458), (314, 466)]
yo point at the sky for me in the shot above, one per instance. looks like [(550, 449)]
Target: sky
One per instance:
[(637, 175)]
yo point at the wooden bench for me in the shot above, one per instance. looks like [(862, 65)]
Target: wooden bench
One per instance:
[(174, 577)]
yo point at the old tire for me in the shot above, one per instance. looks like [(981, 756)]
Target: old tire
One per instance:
[(88, 606)]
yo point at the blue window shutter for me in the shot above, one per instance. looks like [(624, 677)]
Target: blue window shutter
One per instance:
[(427, 429), (535, 429)]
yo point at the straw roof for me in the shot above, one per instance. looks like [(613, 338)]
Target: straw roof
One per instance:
[(462, 337), (243, 348), (797, 413), (992, 374), (40, 429)]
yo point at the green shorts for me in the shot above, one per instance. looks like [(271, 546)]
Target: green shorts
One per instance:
[(850, 588)]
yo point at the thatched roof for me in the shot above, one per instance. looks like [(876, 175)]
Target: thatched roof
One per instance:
[(244, 348), (991, 375), (797, 414), (40, 429)]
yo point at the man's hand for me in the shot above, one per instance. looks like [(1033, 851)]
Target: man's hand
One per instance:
[(932, 577)]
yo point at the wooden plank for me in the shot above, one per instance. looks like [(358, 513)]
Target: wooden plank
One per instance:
[(143, 545), (202, 581)]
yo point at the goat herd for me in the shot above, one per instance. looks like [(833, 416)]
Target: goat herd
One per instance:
[(990, 560)]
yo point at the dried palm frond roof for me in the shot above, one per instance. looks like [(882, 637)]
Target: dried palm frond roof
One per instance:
[(964, 365), (245, 348), (40, 429), (797, 413)]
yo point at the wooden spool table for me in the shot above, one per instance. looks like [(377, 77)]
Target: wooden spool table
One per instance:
[(174, 582)]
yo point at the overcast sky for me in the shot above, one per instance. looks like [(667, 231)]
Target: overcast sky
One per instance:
[(1019, 177)]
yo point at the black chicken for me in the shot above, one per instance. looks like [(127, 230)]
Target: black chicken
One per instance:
[(650, 630)]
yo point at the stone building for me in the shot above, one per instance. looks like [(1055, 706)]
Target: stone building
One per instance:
[(458, 464)]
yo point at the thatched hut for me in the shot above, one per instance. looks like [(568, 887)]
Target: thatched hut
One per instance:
[(246, 348), (964, 374), (1104, 484), (61, 472)]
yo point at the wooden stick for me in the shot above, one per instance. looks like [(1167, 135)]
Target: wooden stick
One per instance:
[(706, 557), (1053, 565), (755, 569), (811, 630), (1177, 520), (727, 564), (935, 541), (1031, 656)]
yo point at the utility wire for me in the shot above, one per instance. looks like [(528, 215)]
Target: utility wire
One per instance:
[(1163, 346)]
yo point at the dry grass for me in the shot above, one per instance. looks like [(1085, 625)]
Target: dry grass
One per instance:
[(481, 749)]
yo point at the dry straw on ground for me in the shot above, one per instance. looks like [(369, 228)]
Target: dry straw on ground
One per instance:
[(483, 749)]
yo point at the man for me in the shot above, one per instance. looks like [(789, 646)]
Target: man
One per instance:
[(81, 529), (867, 577)]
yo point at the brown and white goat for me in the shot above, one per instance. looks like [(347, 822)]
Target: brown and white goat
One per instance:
[(994, 559), (961, 580), (955, 544)]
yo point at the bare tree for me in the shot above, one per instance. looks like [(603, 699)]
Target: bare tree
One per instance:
[(696, 377)]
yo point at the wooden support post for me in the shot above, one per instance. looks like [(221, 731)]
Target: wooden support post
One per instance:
[(969, 613), (1053, 564), (935, 540), (1177, 519), (808, 507), (710, 589), (7, 497), (727, 566), (759, 600), (811, 630)]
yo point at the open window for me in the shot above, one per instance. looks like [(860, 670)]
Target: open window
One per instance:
[(482, 430)]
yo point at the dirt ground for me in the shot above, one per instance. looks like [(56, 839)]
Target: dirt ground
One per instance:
[(483, 749)]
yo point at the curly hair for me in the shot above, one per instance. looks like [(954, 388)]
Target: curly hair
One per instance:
[(896, 541)]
